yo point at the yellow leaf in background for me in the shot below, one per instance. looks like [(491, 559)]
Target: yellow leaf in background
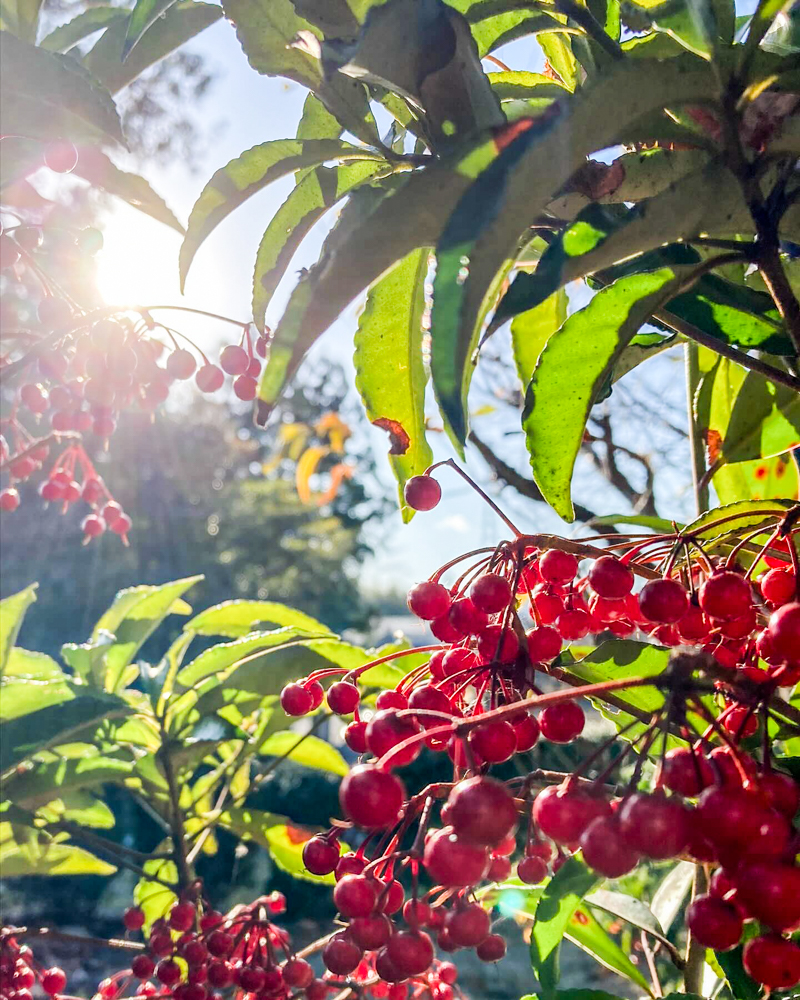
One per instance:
[(336, 429), (484, 411), (339, 473), (306, 467)]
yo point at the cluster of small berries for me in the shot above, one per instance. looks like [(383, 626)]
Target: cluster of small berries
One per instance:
[(473, 699), (20, 973), (90, 372)]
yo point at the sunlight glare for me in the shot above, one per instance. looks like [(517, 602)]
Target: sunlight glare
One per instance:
[(138, 264)]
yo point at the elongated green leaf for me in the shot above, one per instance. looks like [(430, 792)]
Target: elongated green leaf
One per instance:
[(253, 170), (658, 524), (561, 898), (22, 695), (531, 330), (145, 13), (136, 614), (54, 779), (671, 892), (25, 664), (181, 22), (584, 930), (691, 23), (43, 95), (765, 421), (390, 375), (571, 369), (319, 190), (20, 18), (237, 618), (221, 657), (154, 898), (62, 723), (557, 49), (279, 836), (741, 985), (765, 14), (310, 751), (519, 85), (95, 167), (12, 611), (50, 859), (628, 908), (84, 24)]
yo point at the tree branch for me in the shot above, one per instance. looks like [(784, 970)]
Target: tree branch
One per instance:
[(642, 502)]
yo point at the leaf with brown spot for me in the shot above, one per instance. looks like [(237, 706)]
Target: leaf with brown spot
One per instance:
[(398, 435)]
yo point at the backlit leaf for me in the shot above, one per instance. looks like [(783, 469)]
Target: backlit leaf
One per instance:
[(310, 751), (531, 329), (279, 836), (81, 26), (12, 611), (237, 618), (765, 421), (154, 898), (144, 14)]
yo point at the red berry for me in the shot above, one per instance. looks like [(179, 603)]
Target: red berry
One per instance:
[(61, 156), (372, 798), (9, 499), (343, 698), (168, 972), (532, 870), (143, 966), (34, 397), (386, 730), (498, 644), (181, 364), (492, 948), (251, 978), (297, 972), (341, 955), (220, 944), (526, 733), (499, 869), (245, 388), (429, 600), (451, 861), (182, 916), (482, 811), (784, 630), (725, 595), (93, 526), (122, 525), (457, 660), (544, 643), (320, 856), (355, 736), (296, 700), (730, 817), (574, 624), (427, 698), (495, 742), (234, 360), (562, 723), (466, 618), (657, 826), (254, 368), (422, 492), (563, 812), (772, 961), (355, 896), (781, 791), (133, 918), (663, 601), (468, 925), (611, 578), (410, 952), (349, 864), (770, 889), (490, 593), (53, 981), (391, 699), (558, 567), (209, 378), (714, 923), (606, 850), (686, 771), (370, 932), (778, 586)]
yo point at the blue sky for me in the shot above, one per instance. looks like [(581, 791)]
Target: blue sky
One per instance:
[(139, 264)]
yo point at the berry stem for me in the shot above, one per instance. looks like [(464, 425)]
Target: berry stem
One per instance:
[(57, 436), (485, 496)]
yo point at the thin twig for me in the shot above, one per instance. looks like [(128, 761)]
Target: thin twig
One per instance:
[(90, 942)]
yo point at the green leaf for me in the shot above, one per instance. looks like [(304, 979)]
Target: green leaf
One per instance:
[(561, 898), (22, 695), (134, 616), (577, 995), (531, 330), (558, 51), (45, 781), (279, 836), (671, 892), (573, 366), (658, 524), (25, 664), (765, 14), (390, 375), (222, 656), (237, 618), (520, 85), (692, 23), (181, 22), (12, 611), (50, 859), (44, 95), (45, 727), (21, 18), (84, 24), (94, 166), (310, 751), (319, 190), (143, 15), (765, 421), (248, 173), (153, 898), (584, 930), (629, 909), (741, 985)]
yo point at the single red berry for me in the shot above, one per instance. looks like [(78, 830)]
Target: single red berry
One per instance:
[(220, 943), (93, 490), (422, 492), (296, 700), (495, 742), (370, 932), (451, 861), (386, 730), (160, 943), (245, 387), (458, 660), (544, 643), (526, 733), (355, 736), (611, 578), (468, 925), (349, 864), (61, 156), (93, 526), (781, 791), (182, 916), (686, 771), (482, 811), (181, 364), (372, 798), (343, 698), (657, 826), (320, 855), (209, 378), (133, 918), (466, 618), (725, 595), (429, 600), (772, 961), (499, 869), (558, 567), (562, 723), (490, 593), (730, 817), (355, 895), (53, 981), (9, 499), (770, 889), (606, 850), (427, 698), (168, 972), (234, 360), (784, 630), (498, 644), (122, 525), (297, 972), (778, 586), (714, 923), (143, 966), (573, 624), (254, 368), (251, 978), (663, 601), (410, 952), (34, 397), (532, 870), (563, 812), (492, 948), (341, 954), (317, 989)]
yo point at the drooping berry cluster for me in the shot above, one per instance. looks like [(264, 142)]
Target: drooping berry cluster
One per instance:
[(21, 974), (474, 700)]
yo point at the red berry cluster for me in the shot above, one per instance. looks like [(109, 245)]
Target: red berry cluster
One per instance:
[(712, 803), (20, 973), (90, 372)]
